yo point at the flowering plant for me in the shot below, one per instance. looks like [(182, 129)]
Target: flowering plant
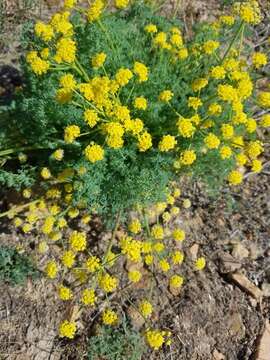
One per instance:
[(115, 106)]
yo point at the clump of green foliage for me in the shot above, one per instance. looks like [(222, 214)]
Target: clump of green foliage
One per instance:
[(119, 343), (15, 267), (125, 177)]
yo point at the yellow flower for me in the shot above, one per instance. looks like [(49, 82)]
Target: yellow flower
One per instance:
[(199, 84), (265, 120), (164, 265), (227, 131), (88, 297), (165, 95), (141, 70), (109, 317), (71, 133), (94, 152), (51, 269), (68, 82), (108, 283), (69, 4), (17, 222), (121, 4), (254, 149), (210, 46), (45, 53), (188, 157), (218, 72), (45, 32), (212, 141), (179, 235), (154, 338), (58, 154), (227, 93), (251, 125), (77, 241), (93, 264), (68, 258), (241, 159), (256, 166), (145, 308), (235, 177), (144, 141), (148, 259), (225, 152), (167, 143), (91, 117), (157, 232), (158, 247), (140, 103), (134, 276), (135, 226), (182, 54), (66, 50), (177, 257), (27, 193), (151, 28), (249, 11), (27, 228), (95, 10), (227, 20), (43, 247), (48, 225), (98, 60), (259, 59), (45, 173), (194, 102), (176, 39), (73, 213), (176, 281), (160, 39), (187, 204), (264, 99), (65, 293), (67, 329), (185, 127), (123, 76), (131, 248), (200, 263)]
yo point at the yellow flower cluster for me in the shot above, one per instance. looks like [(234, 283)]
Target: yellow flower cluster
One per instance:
[(109, 317)]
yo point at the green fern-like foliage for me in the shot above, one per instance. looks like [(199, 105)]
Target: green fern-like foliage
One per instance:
[(125, 177)]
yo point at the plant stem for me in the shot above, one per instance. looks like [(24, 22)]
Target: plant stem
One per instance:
[(86, 77), (15, 150), (233, 40), (18, 208), (117, 223)]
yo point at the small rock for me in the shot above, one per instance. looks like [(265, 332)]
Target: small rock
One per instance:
[(194, 251), (255, 251), (263, 349), (266, 289), (218, 356), (239, 251), (227, 263), (137, 320), (174, 291), (236, 326), (245, 284)]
